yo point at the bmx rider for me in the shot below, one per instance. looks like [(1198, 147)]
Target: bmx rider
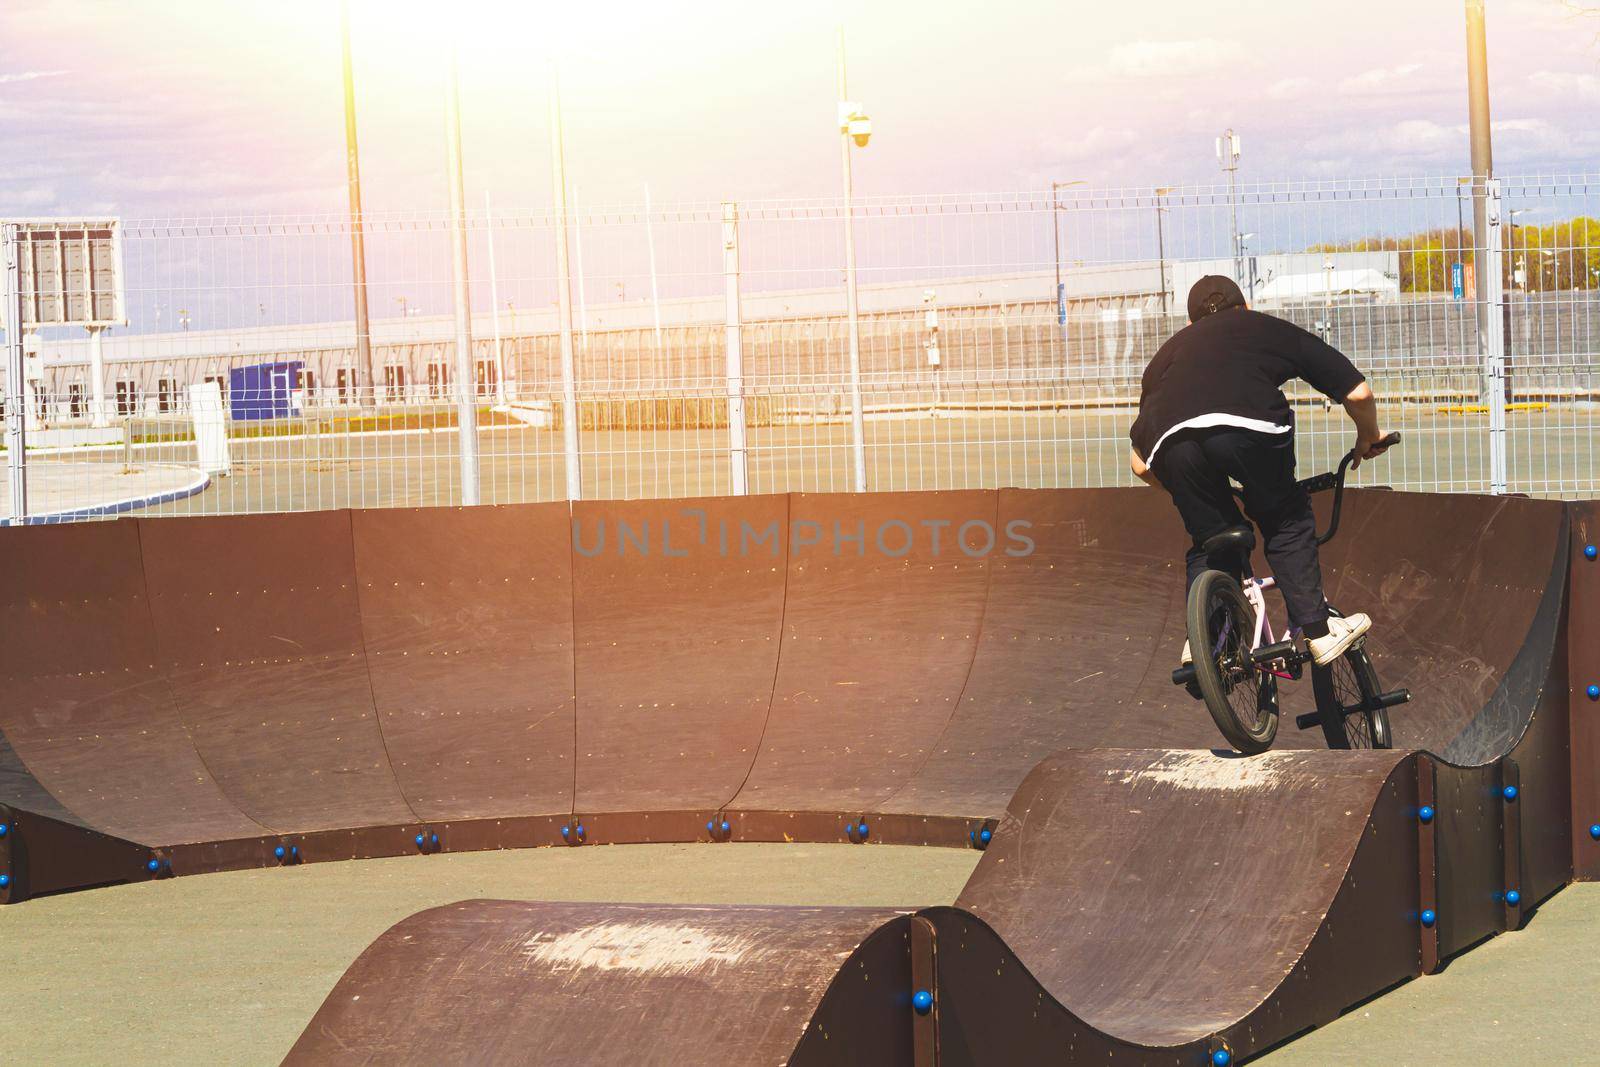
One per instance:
[(1211, 408)]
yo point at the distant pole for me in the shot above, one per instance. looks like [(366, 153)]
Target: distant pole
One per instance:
[(466, 378), (858, 448), (1228, 157), (655, 285), (1061, 289), (1061, 298), (569, 390), (500, 388), (733, 321), (358, 243), (16, 394), (1161, 247), (577, 245)]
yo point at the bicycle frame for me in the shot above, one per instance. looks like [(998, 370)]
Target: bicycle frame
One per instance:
[(1255, 592)]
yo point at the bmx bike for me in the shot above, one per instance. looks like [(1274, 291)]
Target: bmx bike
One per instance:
[(1238, 662)]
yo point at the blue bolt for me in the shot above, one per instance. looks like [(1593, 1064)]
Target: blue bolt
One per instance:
[(1429, 916), (580, 831), (862, 830), (1425, 813), (986, 835), (294, 850), (1222, 1057), (725, 826), (922, 1000), (5, 880), (5, 828), (433, 839), (1513, 897), (418, 840), (566, 831), (709, 829), (850, 829), (279, 852), (1594, 831), (1590, 552), (1509, 792), (1593, 693), (153, 866)]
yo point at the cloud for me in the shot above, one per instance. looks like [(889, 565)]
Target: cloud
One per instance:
[(1567, 85), (28, 196), (1170, 59), (1423, 141), (1289, 88), (1094, 144), (30, 75), (1380, 80)]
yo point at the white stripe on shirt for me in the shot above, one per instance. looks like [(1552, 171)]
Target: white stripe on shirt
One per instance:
[(1218, 418)]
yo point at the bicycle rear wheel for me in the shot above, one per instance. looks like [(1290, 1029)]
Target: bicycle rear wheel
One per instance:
[(1242, 699), (1347, 691)]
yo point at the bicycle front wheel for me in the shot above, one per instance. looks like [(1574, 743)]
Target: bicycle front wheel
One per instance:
[(1242, 699), (1347, 699)]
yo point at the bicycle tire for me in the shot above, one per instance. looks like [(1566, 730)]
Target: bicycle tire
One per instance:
[(1221, 626), (1345, 691)]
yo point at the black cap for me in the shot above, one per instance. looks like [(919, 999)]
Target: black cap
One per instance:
[(1212, 294)]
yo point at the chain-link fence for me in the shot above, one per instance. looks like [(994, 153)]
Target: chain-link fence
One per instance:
[(1000, 340)]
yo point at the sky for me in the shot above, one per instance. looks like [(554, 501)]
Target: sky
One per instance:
[(160, 108)]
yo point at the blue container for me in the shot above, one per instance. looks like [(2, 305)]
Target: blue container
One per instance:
[(264, 390)]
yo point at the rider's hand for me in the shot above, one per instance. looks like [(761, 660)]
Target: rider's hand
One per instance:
[(1368, 447)]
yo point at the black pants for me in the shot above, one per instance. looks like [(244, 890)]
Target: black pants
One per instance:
[(1195, 465)]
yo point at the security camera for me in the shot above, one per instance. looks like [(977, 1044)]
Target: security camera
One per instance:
[(860, 128)]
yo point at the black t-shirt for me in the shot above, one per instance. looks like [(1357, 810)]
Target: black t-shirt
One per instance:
[(1228, 369)]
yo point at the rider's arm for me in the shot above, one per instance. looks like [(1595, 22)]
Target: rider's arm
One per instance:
[(1141, 469), (1362, 406)]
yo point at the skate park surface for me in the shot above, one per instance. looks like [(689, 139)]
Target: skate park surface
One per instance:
[(200, 693)]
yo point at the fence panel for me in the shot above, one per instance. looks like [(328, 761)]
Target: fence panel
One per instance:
[(1002, 336)]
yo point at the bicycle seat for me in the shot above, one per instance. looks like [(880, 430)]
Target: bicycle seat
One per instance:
[(1238, 539)]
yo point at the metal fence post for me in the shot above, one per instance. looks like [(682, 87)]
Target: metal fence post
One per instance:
[(737, 461), (1494, 346), (16, 393), (466, 376)]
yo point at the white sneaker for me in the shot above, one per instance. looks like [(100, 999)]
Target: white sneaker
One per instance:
[(1342, 633), (1187, 657)]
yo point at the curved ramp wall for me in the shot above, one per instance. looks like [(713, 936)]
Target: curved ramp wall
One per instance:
[(209, 690)]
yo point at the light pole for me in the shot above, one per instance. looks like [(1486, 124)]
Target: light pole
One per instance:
[(1161, 246), (1519, 270), (358, 245), (854, 125), (1061, 291), (1482, 169), (1243, 246), (569, 386), (466, 378), (1228, 150)]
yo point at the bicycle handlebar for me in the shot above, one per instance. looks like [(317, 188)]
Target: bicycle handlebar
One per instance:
[(1335, 480)]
